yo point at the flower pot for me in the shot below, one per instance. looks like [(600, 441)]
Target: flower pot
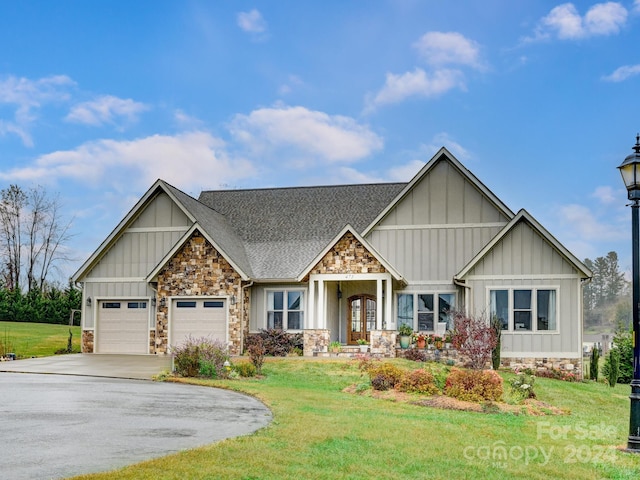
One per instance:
[(364, 348), (405, 341), (421, 343)]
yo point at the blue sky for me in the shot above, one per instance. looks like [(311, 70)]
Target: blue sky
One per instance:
[(541, 100)]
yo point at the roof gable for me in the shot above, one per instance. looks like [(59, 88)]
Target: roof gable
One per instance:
[(444, 192), (523, 217), (348, 252)]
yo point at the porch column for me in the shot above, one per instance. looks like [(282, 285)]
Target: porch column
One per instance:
[(311, 309), (379, 309), (391, 324), (321, 321)]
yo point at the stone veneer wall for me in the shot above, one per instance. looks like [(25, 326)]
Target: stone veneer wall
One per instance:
[(571, 365), (87, 341), (198, 269), (315, 341), (383, 343), (348, 255)]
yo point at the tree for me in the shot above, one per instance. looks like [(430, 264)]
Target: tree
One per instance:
[(607, 287), (32, 230)]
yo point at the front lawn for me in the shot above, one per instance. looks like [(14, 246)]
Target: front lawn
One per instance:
[(321, 432), (28, 340)]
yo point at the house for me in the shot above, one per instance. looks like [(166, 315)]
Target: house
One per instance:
[(336, 263)]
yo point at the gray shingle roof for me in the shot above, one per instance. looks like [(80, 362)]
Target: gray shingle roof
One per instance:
[(217, 227), (284, 229)]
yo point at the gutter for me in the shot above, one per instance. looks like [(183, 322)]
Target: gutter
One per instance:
[(467, 292)]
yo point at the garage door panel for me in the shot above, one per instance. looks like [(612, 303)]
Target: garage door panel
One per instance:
[(198, 318), (122, 327)]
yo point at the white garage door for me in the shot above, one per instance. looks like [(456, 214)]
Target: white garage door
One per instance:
[(198, 318), (122, 326)]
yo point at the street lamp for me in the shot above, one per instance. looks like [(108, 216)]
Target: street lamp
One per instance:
[(630, 170)]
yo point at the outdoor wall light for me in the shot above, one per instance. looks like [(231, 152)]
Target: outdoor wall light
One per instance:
[(88, 301), (153, 301), (630, 170), (163, 302), (232, 300)]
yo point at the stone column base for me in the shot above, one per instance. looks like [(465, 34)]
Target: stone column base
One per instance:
[(315, 341)]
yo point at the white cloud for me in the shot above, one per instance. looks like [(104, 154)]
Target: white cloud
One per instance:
[(307, 134), (443, 139), (415, 84), (585, 225), (565, 22), (444, 48), (28, 95), (636, 6), (404, 173), (293, 82), (622, 73), (181, 159), (105, 109), (606, 195), (252, 22)]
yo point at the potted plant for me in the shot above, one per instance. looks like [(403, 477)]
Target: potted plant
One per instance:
[(421, 340), (334, 346), (405, 332), (363, 345)]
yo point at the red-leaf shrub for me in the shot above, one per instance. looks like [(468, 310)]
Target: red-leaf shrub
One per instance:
[(415, 354), (417, 381), (474, 385), (475, 338)]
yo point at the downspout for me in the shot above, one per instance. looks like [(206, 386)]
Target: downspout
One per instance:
[(467, 293), (242, 290)]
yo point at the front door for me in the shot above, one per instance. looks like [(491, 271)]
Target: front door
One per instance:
[(361, 317)]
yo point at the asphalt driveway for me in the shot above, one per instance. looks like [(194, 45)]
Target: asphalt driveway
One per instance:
[(56, 426)]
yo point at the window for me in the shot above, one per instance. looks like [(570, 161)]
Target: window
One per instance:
[(186, 304), (285, 310), (136, 304), (111, 305), (214, 304), (516, 309), (418, 310)]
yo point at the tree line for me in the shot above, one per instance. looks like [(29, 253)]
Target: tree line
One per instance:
[(607, 297), (33, 241)]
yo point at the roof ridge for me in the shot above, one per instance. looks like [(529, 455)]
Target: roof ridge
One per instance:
[(302, 187)]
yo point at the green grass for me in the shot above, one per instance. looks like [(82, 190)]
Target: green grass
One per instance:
[(28, 340), (319, 432)]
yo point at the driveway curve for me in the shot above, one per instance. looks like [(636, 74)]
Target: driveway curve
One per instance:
[(57, 426)]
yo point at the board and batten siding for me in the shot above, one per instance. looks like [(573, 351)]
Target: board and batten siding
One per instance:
[(524, 259), (121, 270), (438, 227)]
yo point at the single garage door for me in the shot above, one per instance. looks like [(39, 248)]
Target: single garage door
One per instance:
[(122, 326), (198, 318)]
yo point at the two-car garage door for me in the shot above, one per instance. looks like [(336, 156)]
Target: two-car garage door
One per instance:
[(122, 326), (197, 318)]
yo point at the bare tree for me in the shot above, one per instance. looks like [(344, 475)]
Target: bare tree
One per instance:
[(32, 228)]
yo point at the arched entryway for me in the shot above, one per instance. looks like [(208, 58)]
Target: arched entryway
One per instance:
[(361, 317)]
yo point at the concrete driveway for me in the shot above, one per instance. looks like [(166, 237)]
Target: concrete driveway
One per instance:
[(141, 367), (56, 426)]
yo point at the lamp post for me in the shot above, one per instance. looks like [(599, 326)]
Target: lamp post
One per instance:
[(630, 170)]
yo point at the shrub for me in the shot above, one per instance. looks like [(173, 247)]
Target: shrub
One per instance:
[(417, 381), (384, 375), (623, 345), (593, 365), (256, 353), (475, 338), (522, 385), (415, 354), (613, 367), (474, 385), (277, 342), (202, 356), (245, 369), (496, 324)]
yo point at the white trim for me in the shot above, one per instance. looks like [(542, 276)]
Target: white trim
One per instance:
[(346, 277), (115, 280), (535, 276), (285, 319), (505, 354), (183, 228), (440, 226), (95, 306), (436, 306), (429, 283)]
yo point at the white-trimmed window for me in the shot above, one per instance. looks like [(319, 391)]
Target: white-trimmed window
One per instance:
[(285, 309), (421, 311), (525, 309)]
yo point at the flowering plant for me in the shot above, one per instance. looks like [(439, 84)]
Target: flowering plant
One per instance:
[(362, 341), (522, 385), (419, 337)]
